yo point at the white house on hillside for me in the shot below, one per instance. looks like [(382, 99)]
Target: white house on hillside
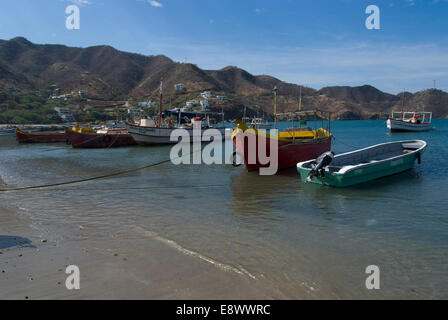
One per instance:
[(179, 87), (206, 94), (205, 104)]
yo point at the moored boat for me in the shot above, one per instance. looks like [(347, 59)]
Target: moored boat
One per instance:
[(415, 121), (40, 136), (364, 165), (103, 138), (157, 130), (410, 122), (292, 145)]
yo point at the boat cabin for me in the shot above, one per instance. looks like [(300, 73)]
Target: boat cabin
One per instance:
[(413, 117)]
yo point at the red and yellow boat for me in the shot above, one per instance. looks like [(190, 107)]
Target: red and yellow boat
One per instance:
[(44, 136), (293, 145)]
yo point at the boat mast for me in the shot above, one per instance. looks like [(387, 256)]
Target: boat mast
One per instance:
[(275, 107), (300, 106), (160, 103), (402, 106)]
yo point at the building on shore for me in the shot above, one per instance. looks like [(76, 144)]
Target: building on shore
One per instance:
[(64, 114)]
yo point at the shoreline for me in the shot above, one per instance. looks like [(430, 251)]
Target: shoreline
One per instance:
[(32, 266)]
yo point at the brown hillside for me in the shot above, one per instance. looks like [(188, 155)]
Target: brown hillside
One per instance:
[(108, 74)]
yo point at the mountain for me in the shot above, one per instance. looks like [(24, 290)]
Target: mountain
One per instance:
[(107, 74)]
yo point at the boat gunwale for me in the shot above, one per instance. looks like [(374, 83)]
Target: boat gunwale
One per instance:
[(291, 140), (173, 128), (39, 133)]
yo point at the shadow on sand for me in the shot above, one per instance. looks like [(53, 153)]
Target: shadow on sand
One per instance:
[(14, 241)]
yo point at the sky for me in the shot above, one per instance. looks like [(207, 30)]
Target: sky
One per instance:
[(313, 43)]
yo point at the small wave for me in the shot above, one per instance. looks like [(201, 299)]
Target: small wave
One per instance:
[(173, 244)]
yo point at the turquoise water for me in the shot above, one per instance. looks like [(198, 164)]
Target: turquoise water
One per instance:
[(274, 229)]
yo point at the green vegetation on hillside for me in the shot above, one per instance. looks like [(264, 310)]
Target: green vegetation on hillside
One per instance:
[(27, 107), (34, 107)]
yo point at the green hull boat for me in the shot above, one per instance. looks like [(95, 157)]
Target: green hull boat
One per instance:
[(363, 165)]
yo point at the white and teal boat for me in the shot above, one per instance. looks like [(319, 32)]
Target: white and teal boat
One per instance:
[(365, 164)]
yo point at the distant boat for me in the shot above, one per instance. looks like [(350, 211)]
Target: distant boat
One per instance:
[(364, 165), (102, 138), (44, 136), (6, 130), (409, 121), (260, 123)]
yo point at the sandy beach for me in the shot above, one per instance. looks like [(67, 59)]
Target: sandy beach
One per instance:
[(32, 266)]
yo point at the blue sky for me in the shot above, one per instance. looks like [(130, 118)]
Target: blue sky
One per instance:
[(315, 43)]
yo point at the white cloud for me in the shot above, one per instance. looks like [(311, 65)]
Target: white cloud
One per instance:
[(81, 2), (259, 10), (155, 3)]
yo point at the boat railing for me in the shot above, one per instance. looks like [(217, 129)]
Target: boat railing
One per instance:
[(424, 117), (300, 116)]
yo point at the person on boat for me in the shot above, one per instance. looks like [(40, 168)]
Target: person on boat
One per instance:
[(415, 119)]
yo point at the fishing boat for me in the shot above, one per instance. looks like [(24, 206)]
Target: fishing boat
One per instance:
[(158, 130), (363, 165), (44, 136), (80, 137), (6, 130), (260, 123), (256, 122), (409, 121), (293, 144)]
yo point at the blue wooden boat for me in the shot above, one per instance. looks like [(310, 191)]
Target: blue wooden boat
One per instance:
[(365, 164)]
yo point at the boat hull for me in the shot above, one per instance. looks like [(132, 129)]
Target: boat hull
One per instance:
[(288, 153), (99, 140), (40, 137), (366, 172), (405, 126), (153, 136)]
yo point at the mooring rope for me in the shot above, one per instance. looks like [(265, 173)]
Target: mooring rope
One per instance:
[(109, 175), (345, 144)]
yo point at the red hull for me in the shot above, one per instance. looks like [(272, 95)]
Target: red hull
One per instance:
[(99, 140), (45, 137), (289, 154)]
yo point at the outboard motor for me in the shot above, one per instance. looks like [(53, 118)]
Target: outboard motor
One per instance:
[(320, 164)]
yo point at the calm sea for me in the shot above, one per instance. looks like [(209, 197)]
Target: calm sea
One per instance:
[(274, 229)]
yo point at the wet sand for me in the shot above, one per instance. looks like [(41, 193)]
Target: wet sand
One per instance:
[(32, 267)]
